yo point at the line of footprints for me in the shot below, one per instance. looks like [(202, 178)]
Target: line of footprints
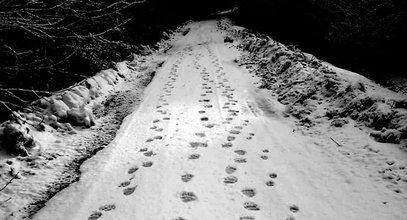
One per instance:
[(230, 178), (127, 187), (222, 84)]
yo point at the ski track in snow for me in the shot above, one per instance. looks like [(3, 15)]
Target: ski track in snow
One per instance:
[(198, 147)]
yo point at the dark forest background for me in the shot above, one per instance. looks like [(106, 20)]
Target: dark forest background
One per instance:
[(50, 44), (366, 36)]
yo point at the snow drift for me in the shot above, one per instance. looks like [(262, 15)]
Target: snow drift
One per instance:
[(312, 90), (61, 111)]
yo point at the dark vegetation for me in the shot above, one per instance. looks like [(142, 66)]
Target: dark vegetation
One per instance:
[(366, 36), (48, 45)]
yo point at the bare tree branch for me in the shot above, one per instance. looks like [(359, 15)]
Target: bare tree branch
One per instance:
[(9, 182)]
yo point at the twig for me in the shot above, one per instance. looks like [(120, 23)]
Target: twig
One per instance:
[(339, 145), (11, 180), (1, 203), (10, 110), (25, 90), (70, 87), (16, 116)]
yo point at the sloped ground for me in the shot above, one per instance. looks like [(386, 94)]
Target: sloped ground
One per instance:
[(207, 143), (313, 89), (331, 103), (63, 139)]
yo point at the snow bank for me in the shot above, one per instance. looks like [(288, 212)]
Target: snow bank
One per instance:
[(312, 90), (61, 111), (74, 106)]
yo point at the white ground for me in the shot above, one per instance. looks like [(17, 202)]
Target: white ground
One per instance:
[(199, 101)]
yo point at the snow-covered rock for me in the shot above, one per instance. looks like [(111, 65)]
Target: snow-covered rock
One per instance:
[(16, 138), (72, 100), (58, 108), (81, 116)]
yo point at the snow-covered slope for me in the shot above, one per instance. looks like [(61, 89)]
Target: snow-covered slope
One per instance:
[(207, 143)]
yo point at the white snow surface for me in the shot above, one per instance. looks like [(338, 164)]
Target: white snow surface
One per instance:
[(199, 101)]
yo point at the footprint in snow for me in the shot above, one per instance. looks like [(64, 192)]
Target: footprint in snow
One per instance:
[(194, 156), (187, 177), (247, 218), (251, 206), (230, 138), (227, 145), (204, 119), (95, 215), (249, 192), (129, 190), (148, 153), (198, 144), (147, 164), (124, 184), (230, 180), (294, 208), (240, 152), (107, 208), (270, 183), (230, 169), (149, 140), (200, 134), (240, 160), (234, 132), (132, 170), (188, 196)]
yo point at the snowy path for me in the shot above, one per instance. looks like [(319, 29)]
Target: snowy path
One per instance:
[(201, 147)]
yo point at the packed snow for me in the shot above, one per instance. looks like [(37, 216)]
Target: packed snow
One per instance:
[(233, 125)]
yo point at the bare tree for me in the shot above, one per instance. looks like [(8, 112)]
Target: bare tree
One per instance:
[(44, 38)]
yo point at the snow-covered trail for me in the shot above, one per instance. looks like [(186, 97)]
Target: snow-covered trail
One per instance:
[(203, 146)]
